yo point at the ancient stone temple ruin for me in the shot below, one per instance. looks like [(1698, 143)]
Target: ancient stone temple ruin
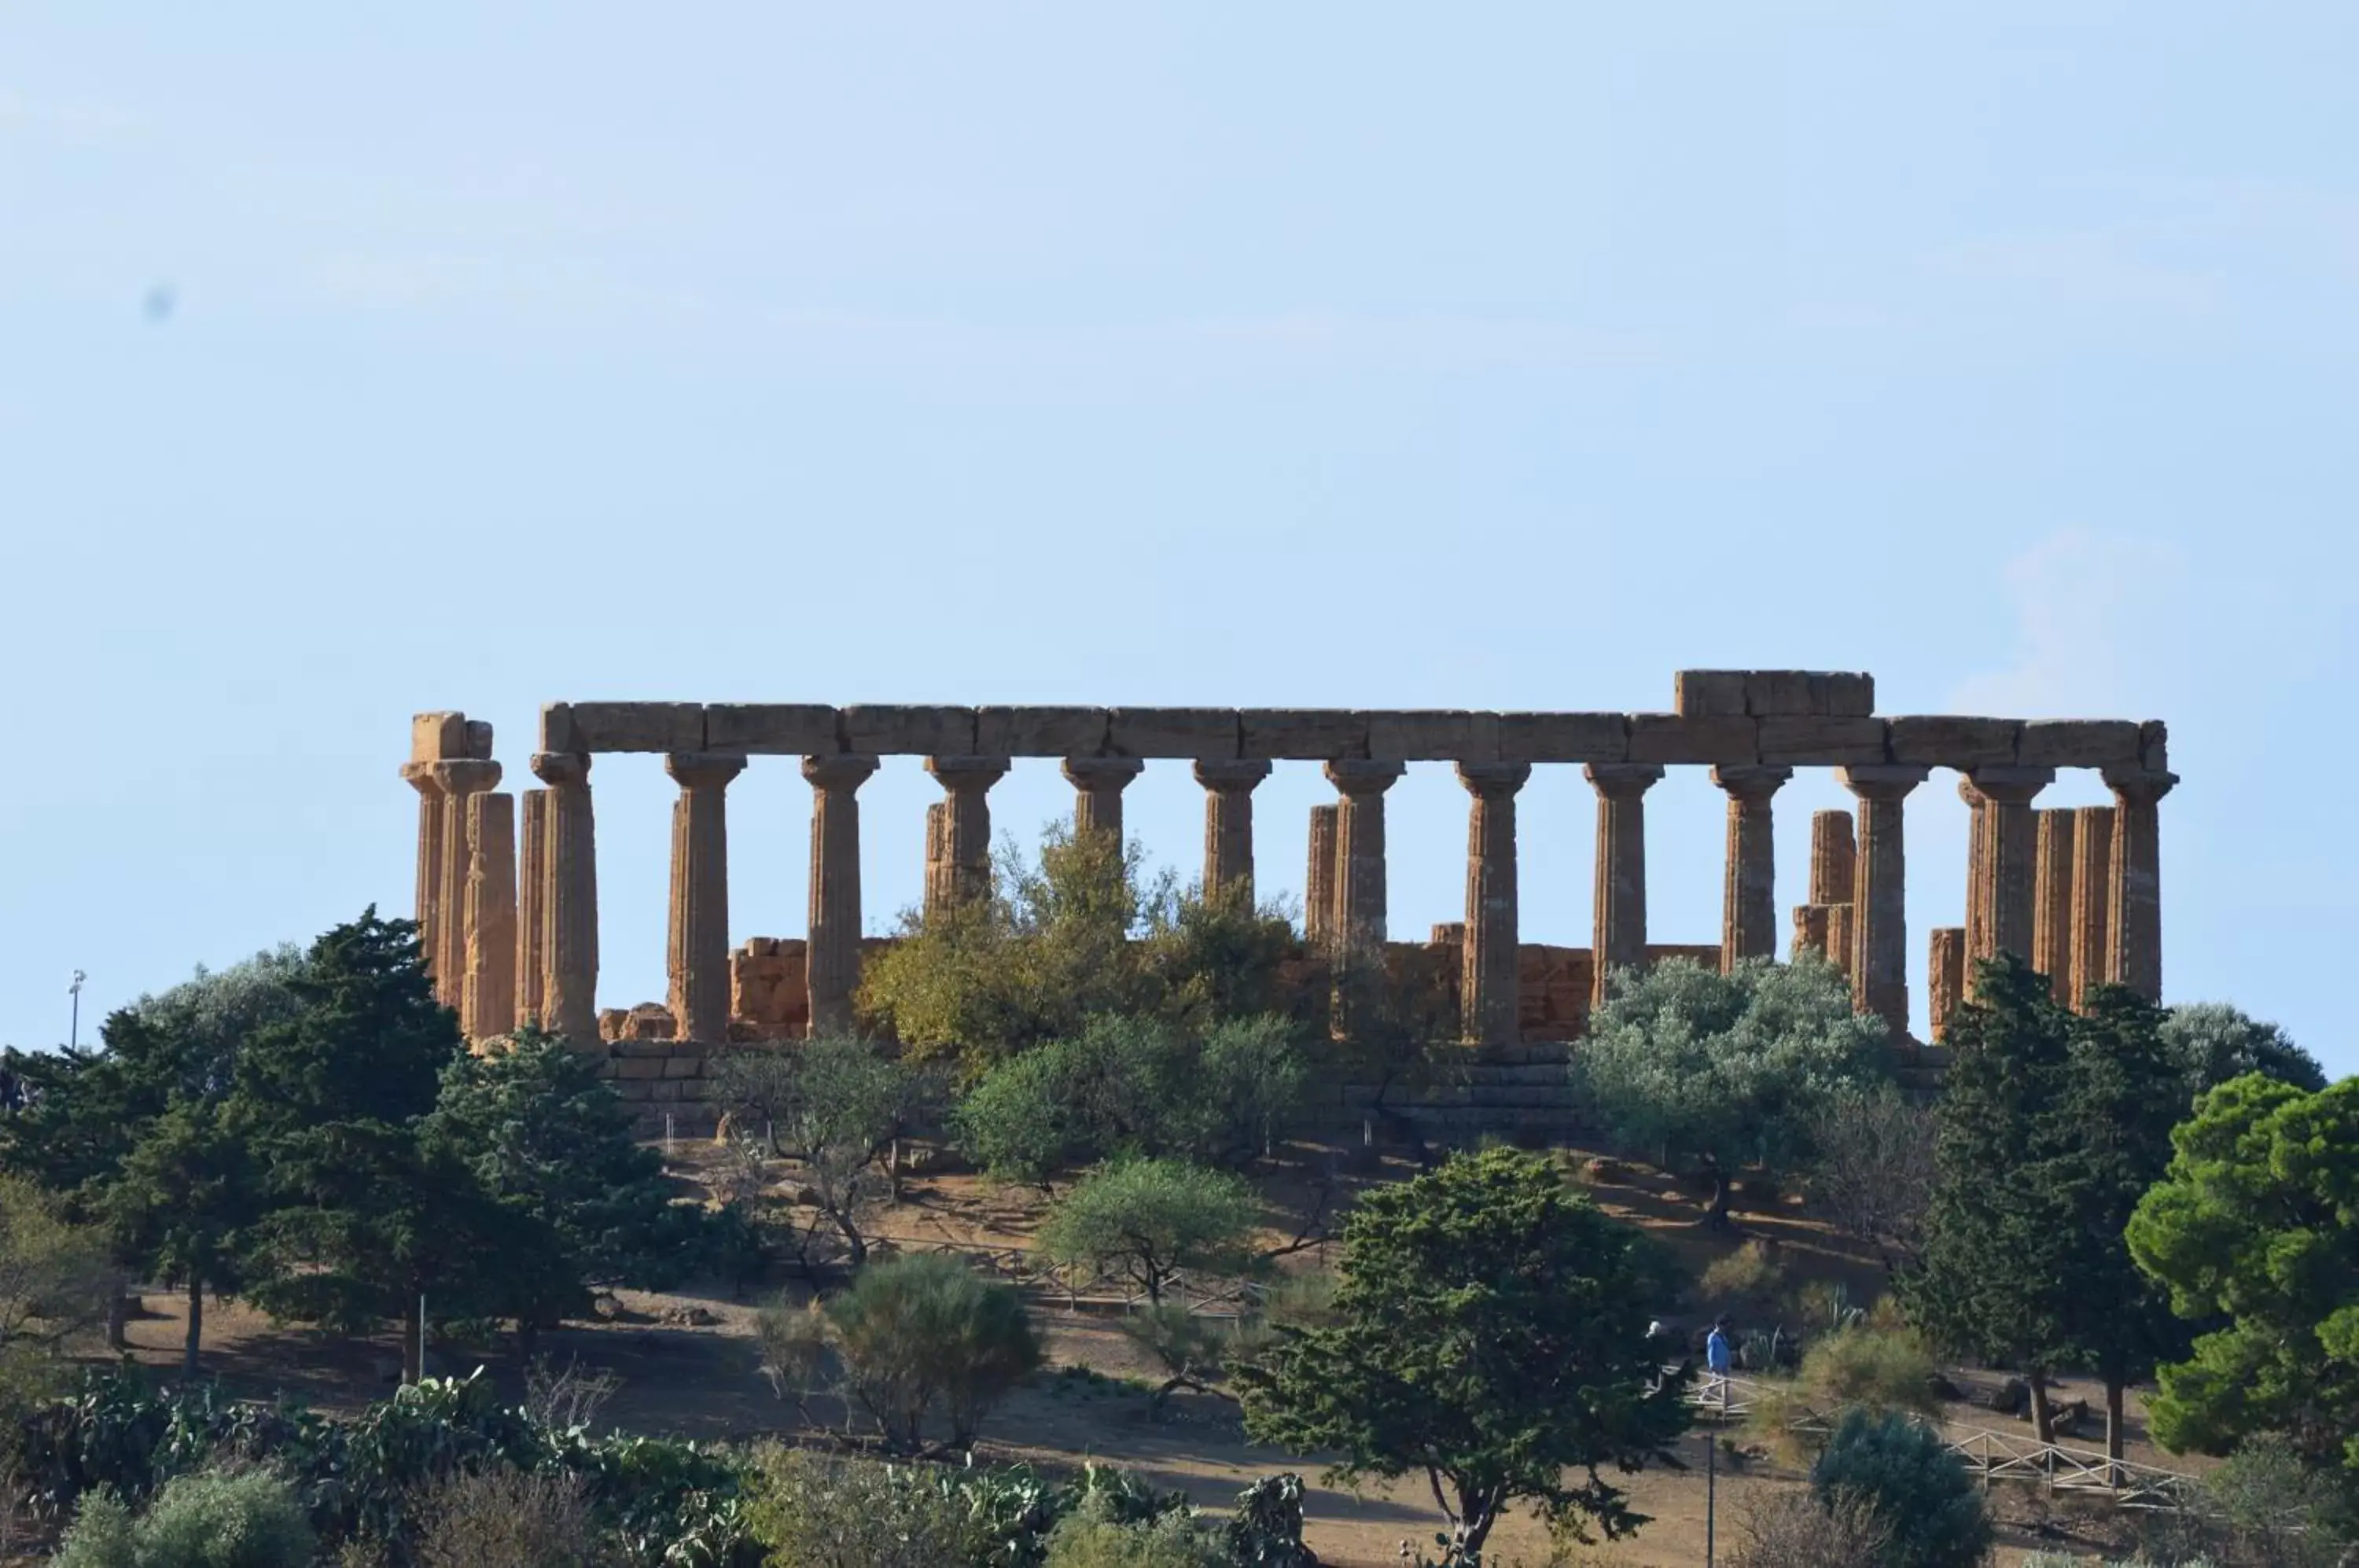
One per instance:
[(507, 889)]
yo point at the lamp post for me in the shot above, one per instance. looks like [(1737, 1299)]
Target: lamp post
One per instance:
[(73, 1028)]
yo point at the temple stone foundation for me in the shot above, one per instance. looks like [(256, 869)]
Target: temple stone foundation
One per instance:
[(506, 889)]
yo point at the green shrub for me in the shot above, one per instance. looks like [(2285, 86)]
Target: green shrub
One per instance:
[(1900, 1469), (212, 1519), (1135, 1084), (1090, 1537), (925, 1332), (1753, 1275), (814, 1512), (1148, 1220)]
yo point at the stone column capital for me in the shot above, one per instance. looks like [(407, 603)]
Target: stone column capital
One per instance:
[(420, 775), (956, 774), (704, 769), (841, 770), (1358, 775), (2139, 786), (1752, 786), (1493, 781), (1102, 772), (561, 767), (1882, 780), (1230, 773), (2007, 785), (1622, 780), (460, 777)]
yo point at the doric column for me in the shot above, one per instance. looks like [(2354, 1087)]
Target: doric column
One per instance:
[(2006, 908), (1488, 988), (1832, 852), (1748, 904), (698, 947), (1620, 906), (487, 1007), (1319, 884), (532, 912), (831, 956), (2093, 895), (568, 986), (1228, 827), (420, 775), (1879, 970), (1977, 861), (965, 830), (1360, 846), (1945, 977), (1098, 783), (459, 779), (1843, 936), (2133, 908), (2051, 903)]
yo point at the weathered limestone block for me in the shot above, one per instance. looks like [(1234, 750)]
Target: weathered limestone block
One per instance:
[(1945, 977), (699, 946), (1228, 826), (1620, 900), (1709, 694), (438, 737), (1942, 740), (1555, 985), (1842, 693), (1656, 739), (897, 730), (1041, 732), (1843, 937), (2154, 746), (2008, 884), (479, 740), (557, 732), (1489, 1002), (1820, 741), (1879, 977), (1311, 735), (1444, 736), (569, 902), (1564, 737), (2133, 911), (832, 971), (638, 726), (2092, 870), (1098, 783), (771, 729), (488, 993), (1360, 894), (532, 896), (1319, 884), (1833, 855), (1206, 733), (2051, 927), (1810, 930), (2077, 742), (1748, 920), (1777, 694)]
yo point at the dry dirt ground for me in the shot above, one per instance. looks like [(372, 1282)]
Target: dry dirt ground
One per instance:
[(688, 1366)]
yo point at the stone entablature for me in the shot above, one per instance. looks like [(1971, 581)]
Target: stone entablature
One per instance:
[(2079, 892), (1723, 718)]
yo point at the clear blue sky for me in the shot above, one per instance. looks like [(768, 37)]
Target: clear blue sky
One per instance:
[(1304, 354)]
